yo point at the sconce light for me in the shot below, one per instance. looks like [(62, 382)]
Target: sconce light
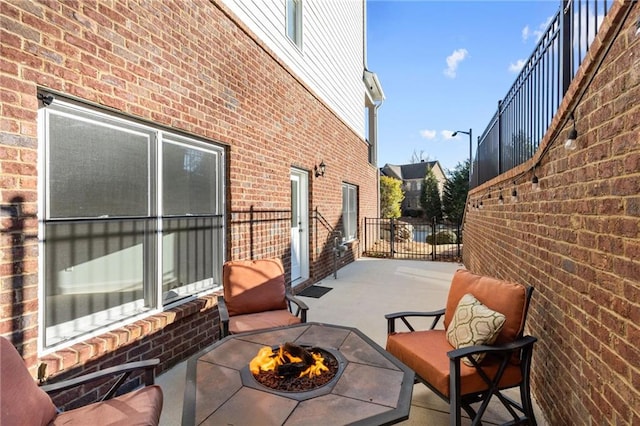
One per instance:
[(319, 169), (535, 185), (514, 195), (481, 206), (501, 199), (571, 144)]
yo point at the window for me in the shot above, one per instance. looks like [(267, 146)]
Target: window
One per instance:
[(349, 211), (294, 21), (133, 219)]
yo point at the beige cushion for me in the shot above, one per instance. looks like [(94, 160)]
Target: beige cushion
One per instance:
[(253, 286), (138, 408), (502, 296), (261, 320), (473, 324), (22, 402)]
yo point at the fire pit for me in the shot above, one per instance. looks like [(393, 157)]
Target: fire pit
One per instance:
[(284, 370), (369, 385)]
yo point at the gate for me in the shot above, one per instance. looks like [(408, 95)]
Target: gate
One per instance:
[(411, 238)]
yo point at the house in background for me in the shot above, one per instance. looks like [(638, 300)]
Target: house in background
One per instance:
[(145, 143), (412, 177)]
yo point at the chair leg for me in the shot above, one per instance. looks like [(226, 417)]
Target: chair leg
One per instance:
[(527, 406), (525, 388), (472, 414), (455, 399), (454, 413)]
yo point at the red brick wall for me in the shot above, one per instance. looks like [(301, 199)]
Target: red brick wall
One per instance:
[(190, 66), (577, 240)]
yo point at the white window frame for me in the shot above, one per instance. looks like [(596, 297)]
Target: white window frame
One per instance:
[(350, 212), (101, 321), (293, 21)]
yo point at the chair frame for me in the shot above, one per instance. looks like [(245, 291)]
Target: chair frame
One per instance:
[(522, 347), (124, 370), (301, 311)]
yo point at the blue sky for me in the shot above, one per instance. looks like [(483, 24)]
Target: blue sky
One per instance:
[(443, 66)]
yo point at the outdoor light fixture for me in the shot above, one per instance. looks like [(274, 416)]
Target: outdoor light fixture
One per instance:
[(319, 169), (535, 185), (571, 144), (501, 199), (469, 133), (514, 195)]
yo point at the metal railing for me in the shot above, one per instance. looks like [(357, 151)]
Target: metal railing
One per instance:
[(417, 239), (524, 115)]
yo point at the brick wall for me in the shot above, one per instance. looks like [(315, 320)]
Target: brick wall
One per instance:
[(577, 239), (193, 67)]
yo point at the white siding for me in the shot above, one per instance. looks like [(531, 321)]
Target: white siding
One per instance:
[(331, 59)]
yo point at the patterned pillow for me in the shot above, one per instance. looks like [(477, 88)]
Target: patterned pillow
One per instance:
[(473, 324)]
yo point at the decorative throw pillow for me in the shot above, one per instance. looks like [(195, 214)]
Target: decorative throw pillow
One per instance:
[(473, 324)]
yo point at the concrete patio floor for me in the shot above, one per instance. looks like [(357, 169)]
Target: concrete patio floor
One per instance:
[(363, 292)]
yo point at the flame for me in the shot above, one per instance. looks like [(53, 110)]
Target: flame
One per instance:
[(266, 360), (316, 369)]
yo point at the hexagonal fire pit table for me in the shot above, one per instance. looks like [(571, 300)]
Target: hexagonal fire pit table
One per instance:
[(371, 386)]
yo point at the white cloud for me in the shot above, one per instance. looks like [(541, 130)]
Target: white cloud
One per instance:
[(428, 134), (447, 134), (527, 33), (453, 61), (515, 68)]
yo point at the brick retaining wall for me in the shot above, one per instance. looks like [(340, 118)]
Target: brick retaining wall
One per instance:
[(577, 240)]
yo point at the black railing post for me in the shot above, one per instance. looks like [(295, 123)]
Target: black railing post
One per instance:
[(365, 235), (434, 246), (392, 232), (251, 254), (499, 137), (458, 237), (565, 37)]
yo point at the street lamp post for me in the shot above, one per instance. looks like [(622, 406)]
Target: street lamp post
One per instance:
[(470, 133)]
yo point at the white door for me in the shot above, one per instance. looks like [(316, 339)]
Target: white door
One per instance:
[(299, 227)]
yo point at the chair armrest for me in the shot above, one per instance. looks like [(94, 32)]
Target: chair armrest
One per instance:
[(125, 370), (516, 345), (302, 309), (391, 324), (224, 317)]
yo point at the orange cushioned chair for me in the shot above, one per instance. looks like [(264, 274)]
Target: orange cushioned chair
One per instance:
[(23, 402), (507, 352), (255, 297)]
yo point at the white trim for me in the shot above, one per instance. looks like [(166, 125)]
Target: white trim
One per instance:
[(303, 201)]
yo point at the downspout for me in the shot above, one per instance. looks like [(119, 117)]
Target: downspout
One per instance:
[(373, 134), (373, 112)]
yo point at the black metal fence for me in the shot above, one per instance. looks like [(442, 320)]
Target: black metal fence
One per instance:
[(524, 115), (412, 239)]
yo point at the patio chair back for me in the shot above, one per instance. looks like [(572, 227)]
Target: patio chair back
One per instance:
[(253, 286), (22, 402)]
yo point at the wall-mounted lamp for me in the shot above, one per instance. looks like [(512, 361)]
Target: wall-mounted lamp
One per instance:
[(571, 144), (501, 199), (535, 185), (514, 195), (319, 169)]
